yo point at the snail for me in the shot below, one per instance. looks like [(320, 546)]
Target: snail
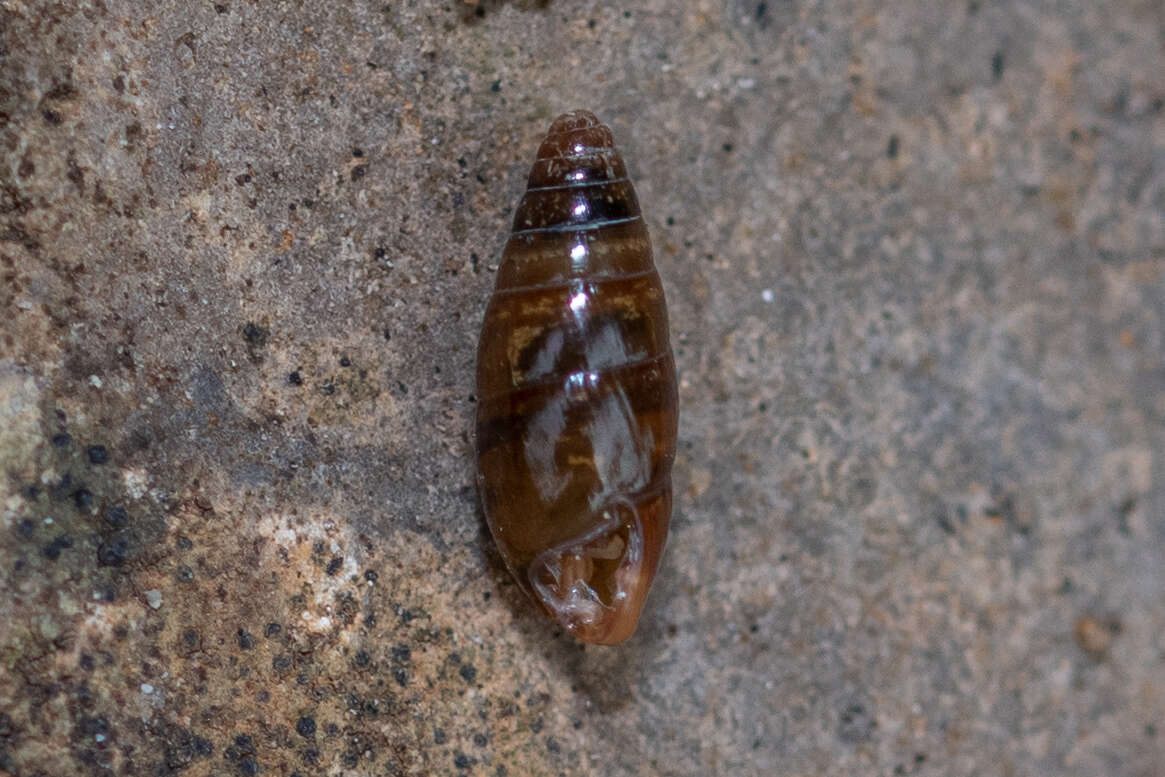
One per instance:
[(576, 385)]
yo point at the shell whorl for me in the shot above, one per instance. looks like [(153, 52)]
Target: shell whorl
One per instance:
[(579, 216)]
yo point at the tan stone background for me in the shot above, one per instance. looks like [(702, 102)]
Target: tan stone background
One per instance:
[(915, 255)]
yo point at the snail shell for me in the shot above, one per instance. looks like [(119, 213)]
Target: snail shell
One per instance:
[(576, 385)]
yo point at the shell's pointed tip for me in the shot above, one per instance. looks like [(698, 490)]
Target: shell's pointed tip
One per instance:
[(580, 118), (576, 134)]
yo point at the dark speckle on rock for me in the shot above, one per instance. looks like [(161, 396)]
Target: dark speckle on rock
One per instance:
[(117, 517), (61, 440), (93, 725), (245, 640), (468, 673), (856, 723), (83, 499), (98, 454), (191, 640), (113, 552), (52, 551), (305, 726), (255, 335), (334, 566)]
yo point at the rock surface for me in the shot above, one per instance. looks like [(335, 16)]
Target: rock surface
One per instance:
[(915, 255)]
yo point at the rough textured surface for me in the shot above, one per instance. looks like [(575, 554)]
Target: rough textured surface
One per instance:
[(915, 255)]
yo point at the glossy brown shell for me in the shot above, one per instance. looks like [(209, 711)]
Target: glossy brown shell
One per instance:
[(576, 421)]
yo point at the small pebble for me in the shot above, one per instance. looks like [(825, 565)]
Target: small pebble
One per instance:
[(1095, 635)]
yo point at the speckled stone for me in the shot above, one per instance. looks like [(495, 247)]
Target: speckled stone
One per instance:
[(915, 258)]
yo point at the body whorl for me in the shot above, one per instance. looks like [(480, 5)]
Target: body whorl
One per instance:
[(576, 418)]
